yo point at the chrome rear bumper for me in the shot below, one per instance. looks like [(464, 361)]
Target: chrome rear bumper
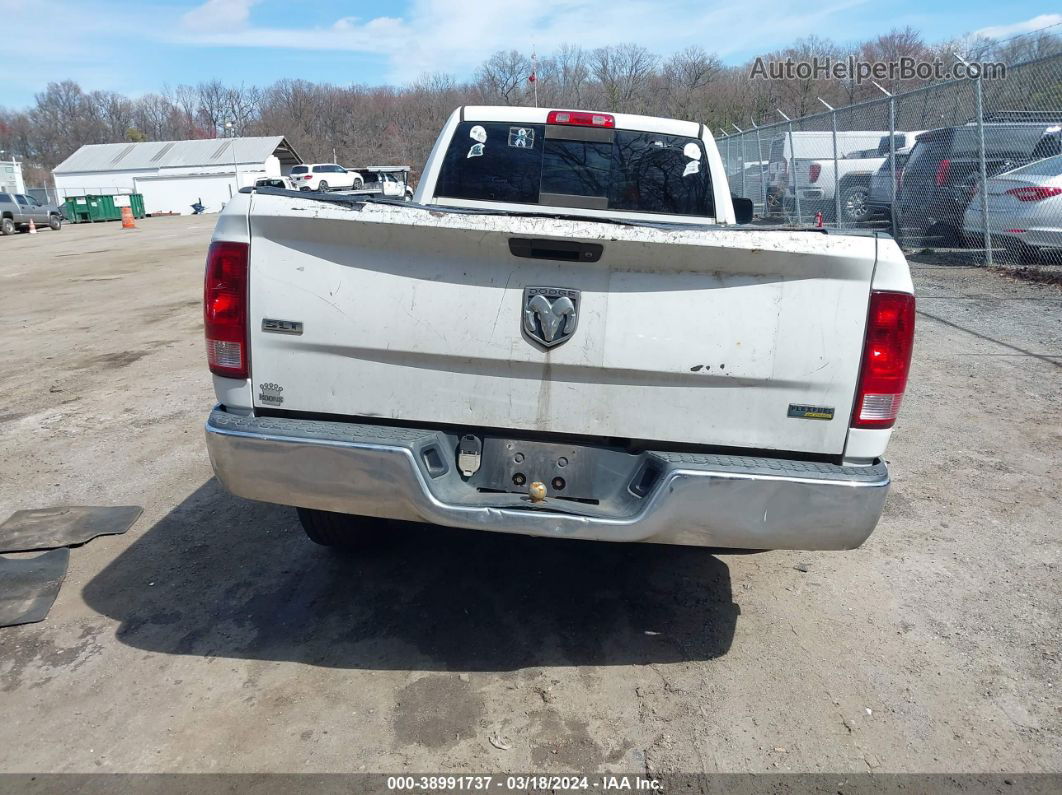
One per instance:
[(694, 499)]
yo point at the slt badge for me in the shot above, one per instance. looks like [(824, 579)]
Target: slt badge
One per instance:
[(550, 314)]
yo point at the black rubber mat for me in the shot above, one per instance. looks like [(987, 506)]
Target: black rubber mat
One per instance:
[(29, 585), (64, 526)]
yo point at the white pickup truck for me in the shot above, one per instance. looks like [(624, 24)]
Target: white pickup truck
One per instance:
[(860, 155), (565, 334)]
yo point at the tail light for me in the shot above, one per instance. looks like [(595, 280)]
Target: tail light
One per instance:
[(225, 309), (943, 172), (813, 172), (308, 176), (1033, 193), (581, 118), (886, 359)]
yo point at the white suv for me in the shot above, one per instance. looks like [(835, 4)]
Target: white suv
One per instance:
[(325, 176)]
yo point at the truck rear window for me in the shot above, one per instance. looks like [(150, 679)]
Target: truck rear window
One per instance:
[(561, 166)]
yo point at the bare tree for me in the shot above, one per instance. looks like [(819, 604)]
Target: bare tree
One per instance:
[(503, 78), (571, 75), (241, 107), (622, 72), (212, 106), (686, 77)]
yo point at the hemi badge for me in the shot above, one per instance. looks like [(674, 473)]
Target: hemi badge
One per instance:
[(282, 326), (811, 412)]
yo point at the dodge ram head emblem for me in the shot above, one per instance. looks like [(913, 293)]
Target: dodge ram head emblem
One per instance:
[(550, 314)]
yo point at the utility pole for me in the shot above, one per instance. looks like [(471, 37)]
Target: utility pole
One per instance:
[(979, 96), (893, 218), (741, 160), (792, 159), (534, 74), (230, 127), (836, 175), (760, 161)]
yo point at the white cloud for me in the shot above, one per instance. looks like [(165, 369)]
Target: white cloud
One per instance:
[(218, 15), (452, 36), (1029, 25), (455, 36), (380, 35)]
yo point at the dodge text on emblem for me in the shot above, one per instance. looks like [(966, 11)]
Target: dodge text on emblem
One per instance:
[(550, 314)]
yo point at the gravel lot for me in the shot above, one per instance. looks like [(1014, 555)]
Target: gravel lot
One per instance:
[(213, 637)]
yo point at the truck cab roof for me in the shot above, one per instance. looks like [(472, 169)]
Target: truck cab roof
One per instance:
[(622, 121)]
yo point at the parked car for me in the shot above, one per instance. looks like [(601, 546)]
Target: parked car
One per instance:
[(325, 176), (749, 181), (880, 194), (811, 171), (940, 176), (856, 168), (567, 334), (17, 210), (1024, 210), (273, 182), (389, 181), (393, 181)]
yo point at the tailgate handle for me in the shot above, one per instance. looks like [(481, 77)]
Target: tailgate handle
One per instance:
[(565, 250)]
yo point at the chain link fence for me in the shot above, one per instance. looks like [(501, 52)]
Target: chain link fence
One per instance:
[(45, 195), (934, 167)]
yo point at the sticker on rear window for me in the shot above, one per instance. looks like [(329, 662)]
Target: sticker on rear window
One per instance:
[(475, 151), (522, 137), (477, 133)]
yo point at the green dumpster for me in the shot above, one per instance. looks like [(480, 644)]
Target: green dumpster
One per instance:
[(102, 207)]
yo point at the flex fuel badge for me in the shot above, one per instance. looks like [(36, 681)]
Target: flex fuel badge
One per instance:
[(810, 412)]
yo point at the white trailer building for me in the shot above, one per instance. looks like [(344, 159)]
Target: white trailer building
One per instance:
[(173, 175)]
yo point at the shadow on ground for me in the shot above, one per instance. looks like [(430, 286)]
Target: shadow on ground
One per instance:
[(224, 577)]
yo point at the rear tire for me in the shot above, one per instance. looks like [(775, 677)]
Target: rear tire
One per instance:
[(55, 223), (943, 235), (342, 530), (7, 227), (774, 204), (1023, 252), (854, 207), (322, 185)]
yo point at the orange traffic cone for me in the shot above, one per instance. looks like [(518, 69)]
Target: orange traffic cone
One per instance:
[(33, 227), (127, 218)]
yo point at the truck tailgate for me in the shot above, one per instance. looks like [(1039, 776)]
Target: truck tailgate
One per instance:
[(735, 338)]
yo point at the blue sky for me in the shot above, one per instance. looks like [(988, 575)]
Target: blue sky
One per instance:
[(138, 46)]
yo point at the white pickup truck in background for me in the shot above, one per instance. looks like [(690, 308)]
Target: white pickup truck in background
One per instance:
[(565, 334), (859, 156)]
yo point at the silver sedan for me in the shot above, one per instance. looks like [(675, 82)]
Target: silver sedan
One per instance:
[(1024, 209)]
